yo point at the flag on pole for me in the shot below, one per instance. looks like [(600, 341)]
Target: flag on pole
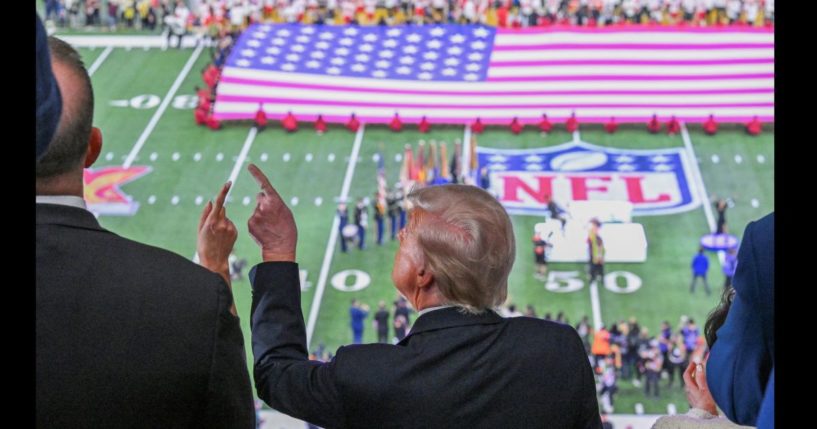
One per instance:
[(444, 173), (382, 186), (405, 168), (420, 162)]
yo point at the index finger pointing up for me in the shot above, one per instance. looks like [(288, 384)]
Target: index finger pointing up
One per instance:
[(262, 181), (221, 197)]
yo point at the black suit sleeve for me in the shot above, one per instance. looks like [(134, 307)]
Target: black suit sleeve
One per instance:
[(229, 402), (285, 378)]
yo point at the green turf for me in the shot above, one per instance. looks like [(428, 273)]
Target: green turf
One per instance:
[(672, 239)]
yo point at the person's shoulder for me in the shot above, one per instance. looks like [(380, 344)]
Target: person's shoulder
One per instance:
[(154, 263), (686, 421), (542, 327), (762, 228)]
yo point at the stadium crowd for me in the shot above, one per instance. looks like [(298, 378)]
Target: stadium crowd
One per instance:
[(210, 17)]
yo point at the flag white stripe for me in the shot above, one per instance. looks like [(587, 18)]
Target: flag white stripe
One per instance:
[(640, 37), (631, 70), (631, 54), (251, 108), (233, 89), (390, 85)]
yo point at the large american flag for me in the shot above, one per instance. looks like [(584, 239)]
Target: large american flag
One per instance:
[(456, 73)]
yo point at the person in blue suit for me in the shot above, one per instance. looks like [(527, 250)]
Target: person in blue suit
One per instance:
[(740, 368)]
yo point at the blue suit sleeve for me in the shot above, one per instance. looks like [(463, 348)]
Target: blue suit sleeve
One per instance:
[(741, 359), (766, 418)]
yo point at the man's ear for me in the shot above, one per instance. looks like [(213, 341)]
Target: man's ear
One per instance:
[(424, 278), (94, 147)]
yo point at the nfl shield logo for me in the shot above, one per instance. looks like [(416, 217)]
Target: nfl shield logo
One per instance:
[(656, 182)]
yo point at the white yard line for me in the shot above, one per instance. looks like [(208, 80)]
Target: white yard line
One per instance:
[(99, 60), (700, 188), (333, 237), (241, 157), (161, 110), (595, 304)]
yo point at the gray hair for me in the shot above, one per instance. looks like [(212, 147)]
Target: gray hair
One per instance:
[(467, 240), (70, 142)]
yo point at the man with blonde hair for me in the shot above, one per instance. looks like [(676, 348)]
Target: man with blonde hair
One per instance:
[(462, 365)]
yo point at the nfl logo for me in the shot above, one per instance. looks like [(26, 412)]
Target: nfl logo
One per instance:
[(655, 182)]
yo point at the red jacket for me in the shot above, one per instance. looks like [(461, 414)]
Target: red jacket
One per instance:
[(516, 127), (395, 123), (710, 126), (544, 125), (654, 126), (673, 126), (201, 116), (261, 118), (611, 126), (572, 124), (477, 127), (320, 125), (754, 127), (289, 123), (424, 126)]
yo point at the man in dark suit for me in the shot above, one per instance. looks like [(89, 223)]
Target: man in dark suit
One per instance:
[(462, 365), (127, 335), (740, 368)]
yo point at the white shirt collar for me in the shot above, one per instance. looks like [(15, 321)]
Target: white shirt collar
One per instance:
[(429, 309), (63, 200)]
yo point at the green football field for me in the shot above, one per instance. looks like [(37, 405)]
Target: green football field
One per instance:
[(144, 100)]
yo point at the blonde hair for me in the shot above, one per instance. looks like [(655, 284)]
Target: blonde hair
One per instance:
[(468, 243)]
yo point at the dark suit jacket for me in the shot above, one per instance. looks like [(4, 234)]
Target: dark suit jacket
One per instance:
[(452, 371), (742, 358), (129, 335)]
